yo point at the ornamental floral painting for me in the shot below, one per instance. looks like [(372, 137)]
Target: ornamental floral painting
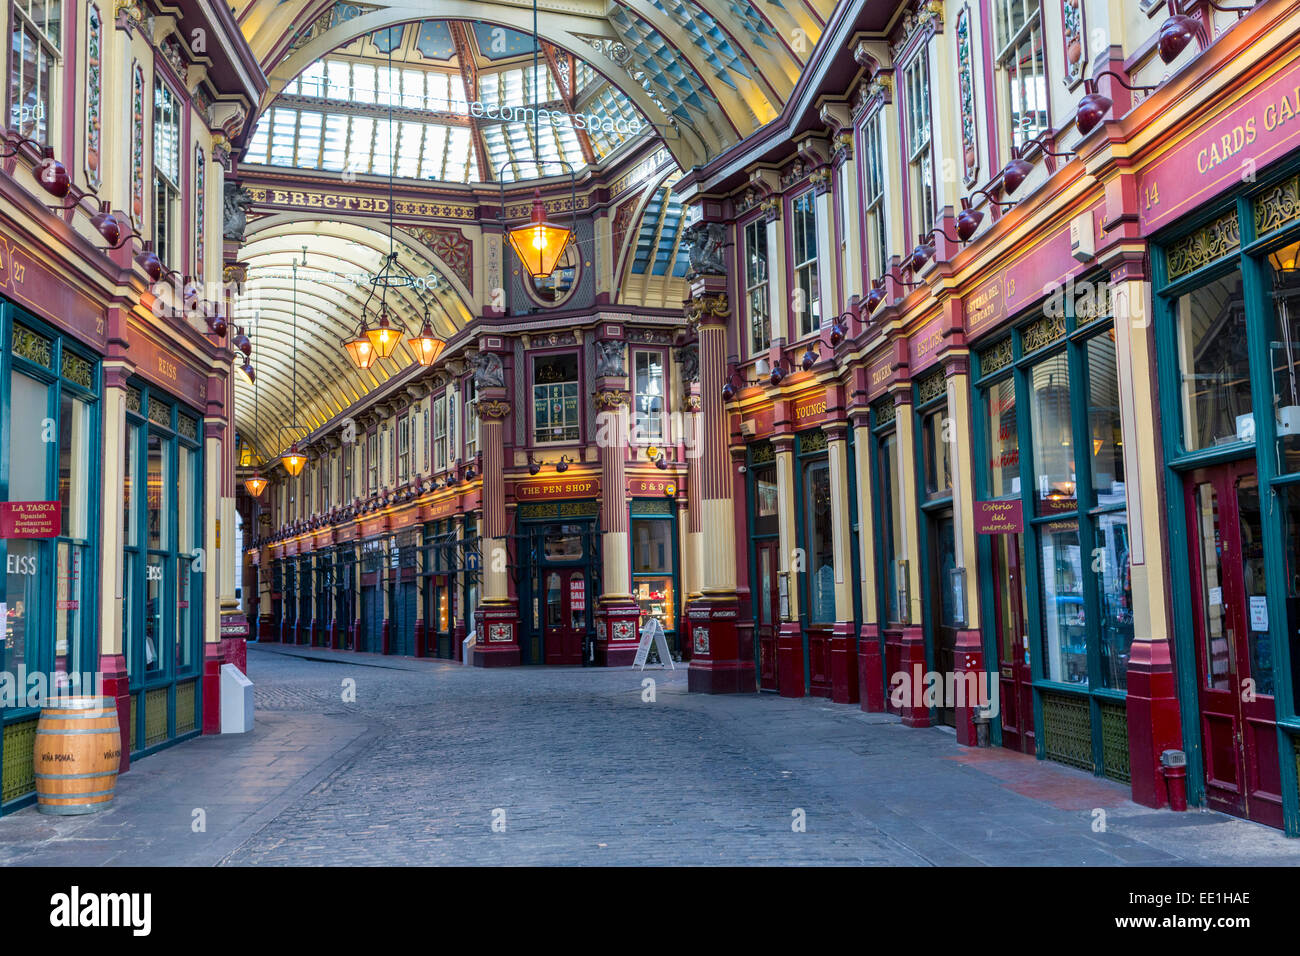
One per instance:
[(94, 87), (966, 94), (137, 146), (1075, 40)]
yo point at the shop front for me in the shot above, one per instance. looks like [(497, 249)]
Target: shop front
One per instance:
[(1052, 523), (1228, 328), (372, 633), (654, 564), (439, 586), (559, 566), (49, 486), (162, 567), (403, 595), (763, 502)]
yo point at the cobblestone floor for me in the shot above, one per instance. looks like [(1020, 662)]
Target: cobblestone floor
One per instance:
[(574, 767)]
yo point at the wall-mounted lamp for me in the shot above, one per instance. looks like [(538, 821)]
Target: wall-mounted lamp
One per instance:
[(876, 294), (777, 374), (1180, 29), (1017, 167), (563, 464), (732, 385), (811, 355), (534, 466), (1095, 104)]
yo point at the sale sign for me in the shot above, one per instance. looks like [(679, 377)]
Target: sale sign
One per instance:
[(30, 519)]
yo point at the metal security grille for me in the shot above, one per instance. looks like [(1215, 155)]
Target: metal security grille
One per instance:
[(186, 720), (155, 716), (1067, 729), (18, 774), (1114, 740)]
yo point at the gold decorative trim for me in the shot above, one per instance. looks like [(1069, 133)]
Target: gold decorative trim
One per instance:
[(1278, 207), (76, 369), (609, 400), (931, 387), (762, 452), (996, 357), (884, 410), (493, 411), (712, 306), (1211, 242), (32, 346), (811, 442), (1042, 333)]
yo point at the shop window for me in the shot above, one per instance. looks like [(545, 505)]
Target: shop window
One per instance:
[(1214, 366), (33, 66), (892, 519), (819, 542), (404, 448), (920, 148), (1052, 435), (1106, 448), (936, 452), (877, 235), (1290, 500), (327, 466), (555, 399), (756, 287), (807, 281), (652, 570), (649, 396), (1004, 440), (345, 474), (1065, 631), (1021, 68), (563, 543), (1284, 346), (166, 171)]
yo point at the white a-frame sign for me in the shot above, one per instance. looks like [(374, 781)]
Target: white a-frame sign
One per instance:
[(653, 631)]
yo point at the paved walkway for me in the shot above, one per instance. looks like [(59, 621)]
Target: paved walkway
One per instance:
[(436, 763)]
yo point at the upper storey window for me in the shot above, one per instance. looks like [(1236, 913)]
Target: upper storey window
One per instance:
[(166, 171), (807, 289), (756, 292), (555, 399), (34, 58), (877, 234), (920, 146), (1021, 69)]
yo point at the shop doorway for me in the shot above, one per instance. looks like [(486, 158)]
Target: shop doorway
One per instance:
[(943, 610), (1233, 653), (1015, 677), (565, 616), (767, 612)]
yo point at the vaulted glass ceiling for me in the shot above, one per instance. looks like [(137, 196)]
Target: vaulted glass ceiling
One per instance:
[(445, 101)]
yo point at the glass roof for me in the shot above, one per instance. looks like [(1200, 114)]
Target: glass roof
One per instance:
[(335, 115)]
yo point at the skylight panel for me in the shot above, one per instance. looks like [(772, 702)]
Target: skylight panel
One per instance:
[(334, 156), (338, 79), (309, 130), (409, 150), (362, 144), (382, 158), (435, 152)]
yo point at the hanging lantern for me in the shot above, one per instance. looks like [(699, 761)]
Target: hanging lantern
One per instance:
[(383, 337), (426, 346), (360, 350), (293, 461), (539, 244), (255, 485)]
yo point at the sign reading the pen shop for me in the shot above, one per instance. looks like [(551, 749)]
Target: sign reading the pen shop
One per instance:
[(999, 517), (30, 519), (554, 488)]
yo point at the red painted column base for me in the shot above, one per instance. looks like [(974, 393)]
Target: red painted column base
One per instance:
[(971, 692), (386, 638), (912, 661), (420, 638), (844, 664), (356, 635), (117, 686), (871, 670), (617, 636), (1153, 721), (717, 666), (212, 661), (335, 635), (265, 629), (234, 650), (498, 637), (789, 660)]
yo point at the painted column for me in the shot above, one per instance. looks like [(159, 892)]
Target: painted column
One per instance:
[(617, 612), (968, 647), (497, 617), (844, 643), (112, 653), (1154, 723), (458, 625), (717, 666), (225, 563), (846, 172), (213, 432), (790, 671), (778, 282), (690, 530), (871, 667), (912, 641)]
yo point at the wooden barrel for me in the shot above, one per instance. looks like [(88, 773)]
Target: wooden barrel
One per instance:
[(78, 749)]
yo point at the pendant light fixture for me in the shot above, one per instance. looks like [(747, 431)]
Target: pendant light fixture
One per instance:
[(294, 460), (368, 342), (538, 243), (255, 484)]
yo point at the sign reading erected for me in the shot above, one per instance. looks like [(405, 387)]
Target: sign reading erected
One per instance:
[(653, 631), (999, 517), (30, 519)]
